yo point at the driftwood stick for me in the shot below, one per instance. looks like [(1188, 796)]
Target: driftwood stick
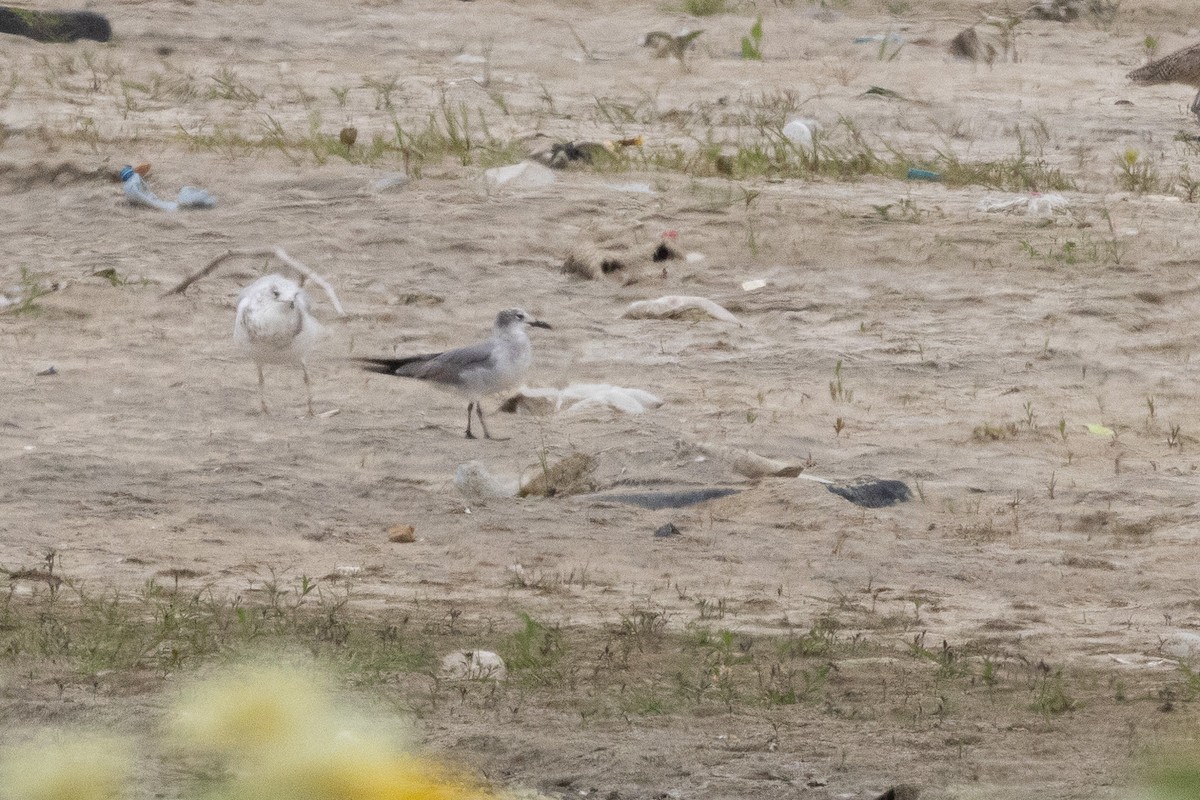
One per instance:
[(259, 252)]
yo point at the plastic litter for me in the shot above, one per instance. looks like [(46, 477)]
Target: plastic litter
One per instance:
[(139, 194), (754, 285), (579, 396), (1034, 204), (800, 131), (526, 175), (923, 175), (877, 38), (677, 306), (476, 484), (474, 665), (1096, 429)]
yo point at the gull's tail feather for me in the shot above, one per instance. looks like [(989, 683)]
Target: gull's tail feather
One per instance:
[(403, 367)]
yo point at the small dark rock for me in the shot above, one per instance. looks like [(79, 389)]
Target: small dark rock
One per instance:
[(667, 530), (50, 370)]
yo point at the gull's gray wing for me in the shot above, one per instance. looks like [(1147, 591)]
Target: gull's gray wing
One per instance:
[(457, 367)]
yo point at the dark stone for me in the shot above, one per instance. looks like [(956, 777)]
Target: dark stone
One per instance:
[(667, 530)]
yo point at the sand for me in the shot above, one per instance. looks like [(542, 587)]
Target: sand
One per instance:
[(974, 348)]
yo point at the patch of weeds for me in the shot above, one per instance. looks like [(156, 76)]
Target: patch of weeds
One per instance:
[(987, 432), (752, 44), (1136, 172), (705, 8), (30, 292), (1051, 697), (837, 390), (534, 652), (228, 85)]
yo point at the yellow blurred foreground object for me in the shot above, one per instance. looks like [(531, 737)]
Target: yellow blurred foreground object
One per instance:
[(84, 769)]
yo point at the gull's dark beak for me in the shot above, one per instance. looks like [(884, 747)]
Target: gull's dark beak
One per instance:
[(537, 323)]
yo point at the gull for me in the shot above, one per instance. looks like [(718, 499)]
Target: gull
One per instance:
[(1182, 66), (274, 326), (497, 364)]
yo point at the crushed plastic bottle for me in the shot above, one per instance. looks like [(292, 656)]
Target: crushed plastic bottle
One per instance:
[(138, 193)]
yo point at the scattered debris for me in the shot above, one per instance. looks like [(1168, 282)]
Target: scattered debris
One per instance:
[(665, 44), (580, 396), (750, 464), (1056, 10), (474, 665), (880, 38), (968, 45), (901, 791), (656, 501), (677, 306), (869, 492), (1035, 204), (1096, 429), (50, 370), (55, 26), (753, 285), (572, 475), (138, 193), (402, 534), (879, 91), (915, 174), (559, 155), (585, 261), (667, 530), (261, 252), (800, 131), (526, 175), (476, 484)]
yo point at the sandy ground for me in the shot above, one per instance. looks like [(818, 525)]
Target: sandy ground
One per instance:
[(963, 340)]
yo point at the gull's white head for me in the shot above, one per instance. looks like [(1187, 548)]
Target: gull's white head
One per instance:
[(515, 317)]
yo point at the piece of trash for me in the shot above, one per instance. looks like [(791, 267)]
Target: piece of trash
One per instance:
[(665, 44), (394, 181), (923, 175), (138, 193), (526, 175), (667, 530), (474, 665), (50, 370), (879, 91), (585, 261), (559, 155), (754, 285), (632, 188), (1096, 429), (656, 501), (800, 131), (402, 534), (1035, 204), (750, 464), (664, 252), (679, 307), (1056, 10), (348, 135), (901, 791), (571, 475), (54, 26), (469, 58), (878, 38), (347, 570), (333, 412), (694, 258), (579, 396), (871, 492), (475, 483)]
